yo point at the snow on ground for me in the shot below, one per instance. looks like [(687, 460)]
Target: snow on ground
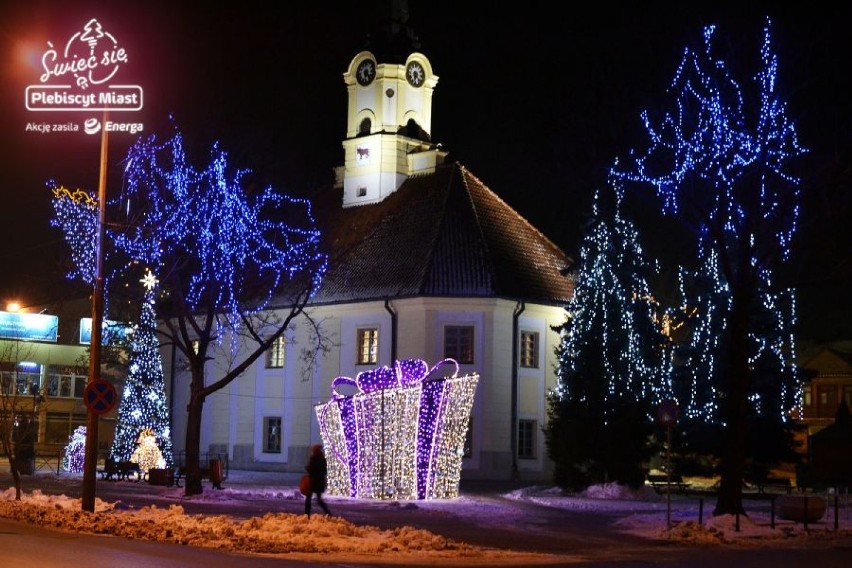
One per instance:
[(642, 513)]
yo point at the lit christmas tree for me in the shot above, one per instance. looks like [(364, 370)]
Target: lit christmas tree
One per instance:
[(143, 405), (721, 159), (612, 362), (75, 451)]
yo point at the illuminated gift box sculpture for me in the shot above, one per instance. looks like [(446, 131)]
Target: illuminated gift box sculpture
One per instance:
[(401, 434)]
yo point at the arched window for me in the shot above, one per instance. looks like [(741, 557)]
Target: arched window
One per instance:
[(365, 126)]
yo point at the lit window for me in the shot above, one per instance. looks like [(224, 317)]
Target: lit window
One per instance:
[(807, 395), (458, 343), (368, 346), (827, 400), (529, 349), (526, 439), (196, 346), (275, 354), (272, 435)]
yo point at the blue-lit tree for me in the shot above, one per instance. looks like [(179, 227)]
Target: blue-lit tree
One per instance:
[(721, 157), (222, 253), (612, 361), (143, 405)]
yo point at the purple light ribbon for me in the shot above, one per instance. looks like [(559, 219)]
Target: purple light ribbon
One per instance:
[(405, 373)]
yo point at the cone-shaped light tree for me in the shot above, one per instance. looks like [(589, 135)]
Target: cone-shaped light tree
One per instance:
[(612, 361), (144, 406)]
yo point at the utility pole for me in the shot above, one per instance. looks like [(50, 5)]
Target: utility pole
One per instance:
[(90, 461)]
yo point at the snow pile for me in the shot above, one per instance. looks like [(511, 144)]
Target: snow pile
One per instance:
[(640, 512)]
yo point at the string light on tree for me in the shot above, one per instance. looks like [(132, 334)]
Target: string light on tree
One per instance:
[(613, 360), (721, 158), (76, 214)]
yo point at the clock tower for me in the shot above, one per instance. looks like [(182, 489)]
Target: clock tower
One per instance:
[(389, 118)]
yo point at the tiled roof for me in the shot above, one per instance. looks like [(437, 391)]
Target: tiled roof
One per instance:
[(442, 234)]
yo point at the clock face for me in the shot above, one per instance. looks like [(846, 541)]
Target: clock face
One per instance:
[(415, 74), (366, 72)]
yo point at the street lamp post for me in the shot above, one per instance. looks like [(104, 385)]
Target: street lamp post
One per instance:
[(90, 460)]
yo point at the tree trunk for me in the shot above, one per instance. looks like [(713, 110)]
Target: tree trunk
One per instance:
[(193, 442), (735, 408)]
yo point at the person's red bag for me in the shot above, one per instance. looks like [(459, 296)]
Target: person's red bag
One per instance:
[(305, 484)]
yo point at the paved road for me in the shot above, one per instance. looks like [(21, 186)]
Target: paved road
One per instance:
[(583, 537)]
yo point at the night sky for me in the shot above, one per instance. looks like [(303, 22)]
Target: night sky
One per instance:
[(537, 104)]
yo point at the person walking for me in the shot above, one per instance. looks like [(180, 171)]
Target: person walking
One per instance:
[(317, 469)]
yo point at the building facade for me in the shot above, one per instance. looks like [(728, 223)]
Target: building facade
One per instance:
[(425, 262), (44, 360)]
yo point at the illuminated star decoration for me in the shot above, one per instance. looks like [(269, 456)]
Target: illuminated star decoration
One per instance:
[(149, 280)]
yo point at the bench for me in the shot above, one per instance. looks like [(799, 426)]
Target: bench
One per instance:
[(660, 481), (120, 471), (782, 483)]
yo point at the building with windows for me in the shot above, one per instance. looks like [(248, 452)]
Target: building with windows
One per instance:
[(44, 360), (827, 372), (425, 262)]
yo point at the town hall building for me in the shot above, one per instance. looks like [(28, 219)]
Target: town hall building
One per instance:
[(424, 262)]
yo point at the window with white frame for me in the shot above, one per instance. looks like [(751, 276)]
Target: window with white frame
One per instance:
[(275, 353), (458, 343), (368, 346), (272, 434), (526, 439), (529, 349)]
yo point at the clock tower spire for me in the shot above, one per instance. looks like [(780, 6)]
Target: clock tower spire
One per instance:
[(389, 119)]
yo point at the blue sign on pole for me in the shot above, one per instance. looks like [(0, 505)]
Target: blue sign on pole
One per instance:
[(111, 331)]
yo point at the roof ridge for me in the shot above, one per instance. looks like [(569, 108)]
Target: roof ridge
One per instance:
[(467, 173), (429, 265)]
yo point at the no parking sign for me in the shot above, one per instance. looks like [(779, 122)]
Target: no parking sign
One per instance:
[(99, 396)]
